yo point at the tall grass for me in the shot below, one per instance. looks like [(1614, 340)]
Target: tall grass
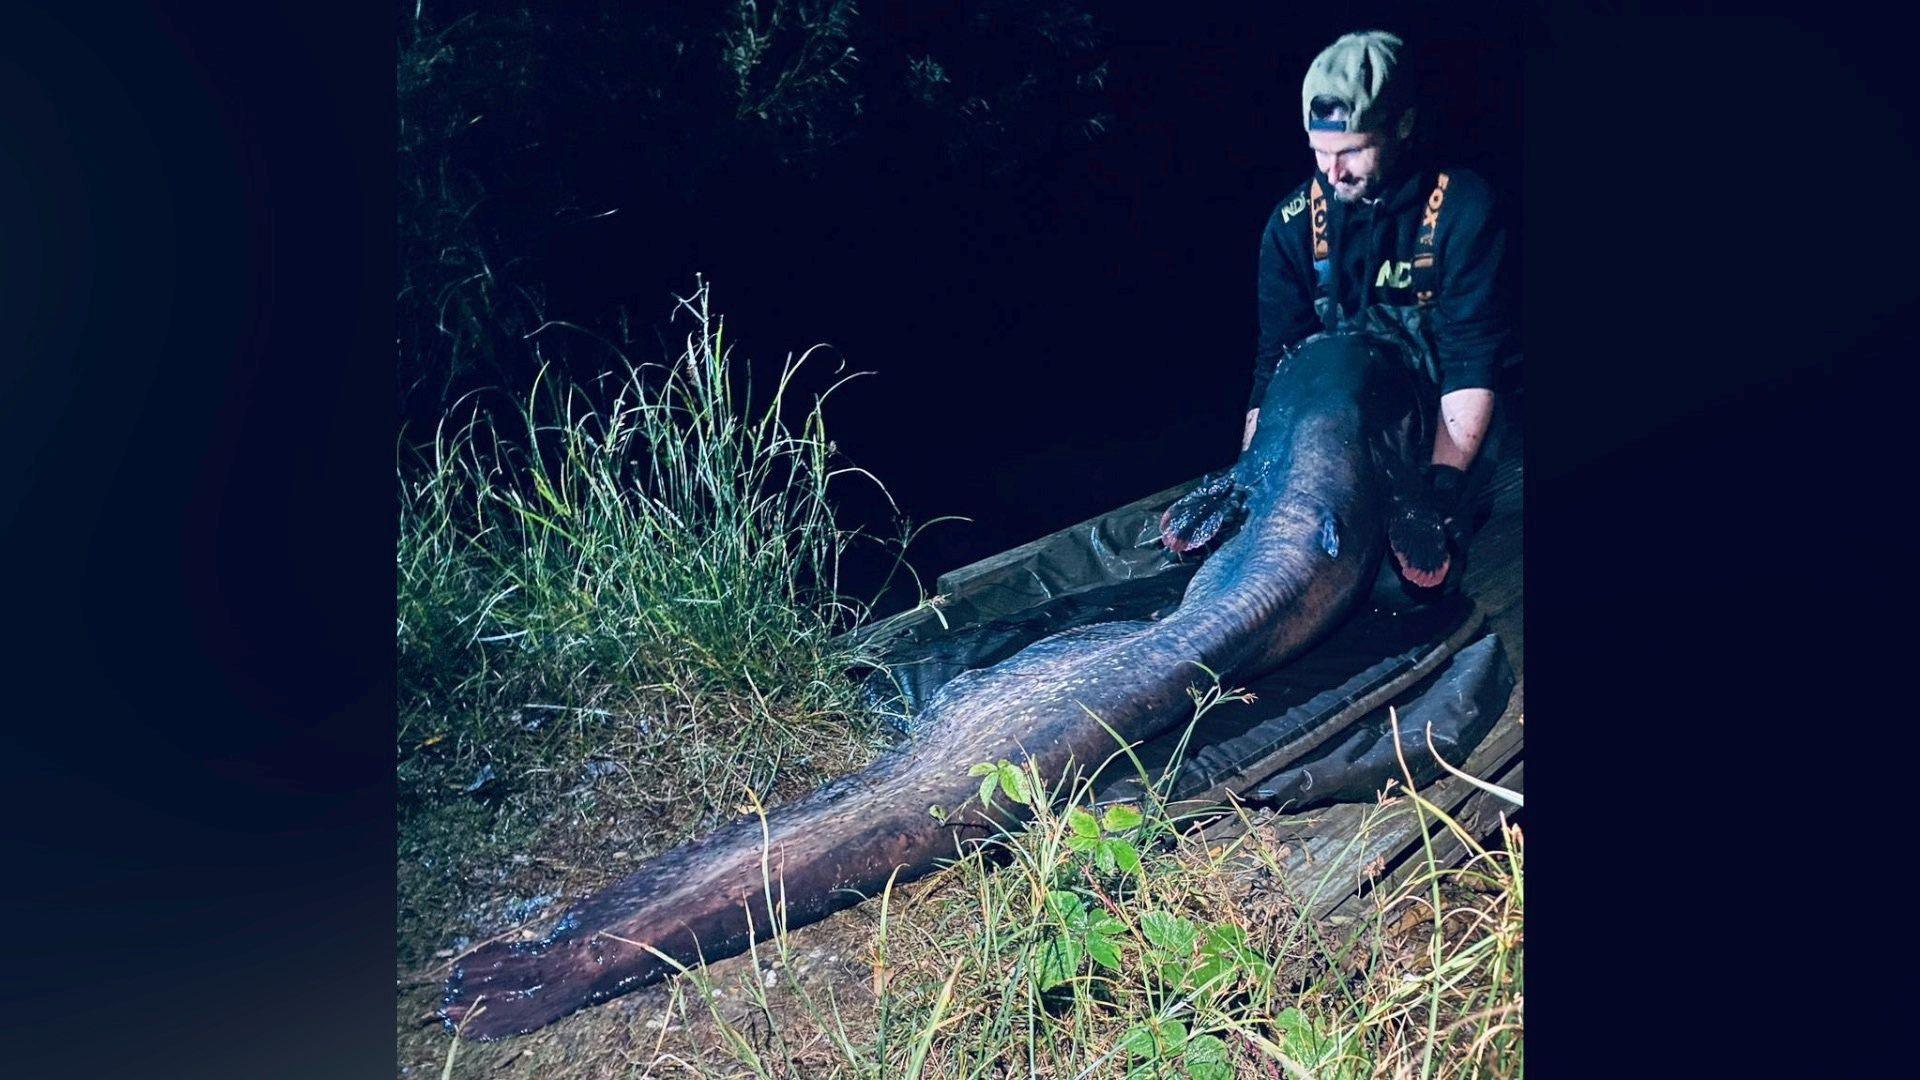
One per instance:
[(617, 610)]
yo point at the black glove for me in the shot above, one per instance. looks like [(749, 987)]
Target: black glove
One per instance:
[(1425, 530), (1448, 485)]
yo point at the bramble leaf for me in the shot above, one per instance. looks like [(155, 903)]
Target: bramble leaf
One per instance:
[(1139, 1039), (1308, 1046), (1209, 973), (1225, 939), (1206, 1059), (1169, 932), (1083, 824), (1067, 907), (1101, 948), (1014, 783), (1059, 960)]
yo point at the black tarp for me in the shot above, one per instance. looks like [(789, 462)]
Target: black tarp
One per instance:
[(1458, 704), (1317, 729)]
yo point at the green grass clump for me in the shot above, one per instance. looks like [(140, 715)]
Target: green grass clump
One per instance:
[(617, 612)]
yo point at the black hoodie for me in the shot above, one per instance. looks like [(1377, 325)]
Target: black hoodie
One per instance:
[(1460, 339)]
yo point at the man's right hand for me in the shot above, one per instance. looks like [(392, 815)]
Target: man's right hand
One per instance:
[(1253, 421)]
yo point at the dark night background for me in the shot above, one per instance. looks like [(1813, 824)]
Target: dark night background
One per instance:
[(1056, 305), (199, 301)]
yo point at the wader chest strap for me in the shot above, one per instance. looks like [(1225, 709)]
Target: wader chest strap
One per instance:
[(1317, 215), (1426, 275)]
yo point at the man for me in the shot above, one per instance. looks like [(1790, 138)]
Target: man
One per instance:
[(1379, 242)]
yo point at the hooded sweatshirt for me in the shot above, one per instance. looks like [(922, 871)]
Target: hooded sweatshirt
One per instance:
[(1458, 340)]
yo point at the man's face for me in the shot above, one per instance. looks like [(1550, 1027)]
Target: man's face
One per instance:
[(1354, 162)]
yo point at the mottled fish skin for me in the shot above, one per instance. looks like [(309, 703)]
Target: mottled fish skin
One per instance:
[(1337, 422)]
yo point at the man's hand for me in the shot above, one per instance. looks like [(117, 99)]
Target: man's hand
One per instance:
[(1422, 532), (1253, 421)]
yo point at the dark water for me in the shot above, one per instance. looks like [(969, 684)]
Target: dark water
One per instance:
[(1052, 332)]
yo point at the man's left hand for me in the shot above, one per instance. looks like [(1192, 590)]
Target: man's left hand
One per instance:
[(1423, 534)]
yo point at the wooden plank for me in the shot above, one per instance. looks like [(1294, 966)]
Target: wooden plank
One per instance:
[(1479, 814), (1331, 848), (1393, 837), (876, 634)]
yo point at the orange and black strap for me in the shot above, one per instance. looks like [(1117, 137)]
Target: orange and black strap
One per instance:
[(1425, 273), (1317, 213)]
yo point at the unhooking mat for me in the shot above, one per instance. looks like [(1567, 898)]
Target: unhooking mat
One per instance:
[(1317, 730)]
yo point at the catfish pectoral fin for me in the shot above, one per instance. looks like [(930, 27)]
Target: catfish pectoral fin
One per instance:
[(1418, 535), (1207, 514)]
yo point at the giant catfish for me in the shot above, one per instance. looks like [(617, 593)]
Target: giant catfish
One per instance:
[(1334, 465)]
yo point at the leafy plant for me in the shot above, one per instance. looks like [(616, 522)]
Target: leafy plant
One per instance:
[(1007, 777), (1097, 837), (1077, 931), (1159, 1047), (1198, 959), (1321, 1054)]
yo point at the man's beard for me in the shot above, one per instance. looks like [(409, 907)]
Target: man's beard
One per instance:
[(1384, 169), (1370, 189)]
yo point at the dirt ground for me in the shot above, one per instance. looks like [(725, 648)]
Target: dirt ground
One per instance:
[(659, 1030)]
